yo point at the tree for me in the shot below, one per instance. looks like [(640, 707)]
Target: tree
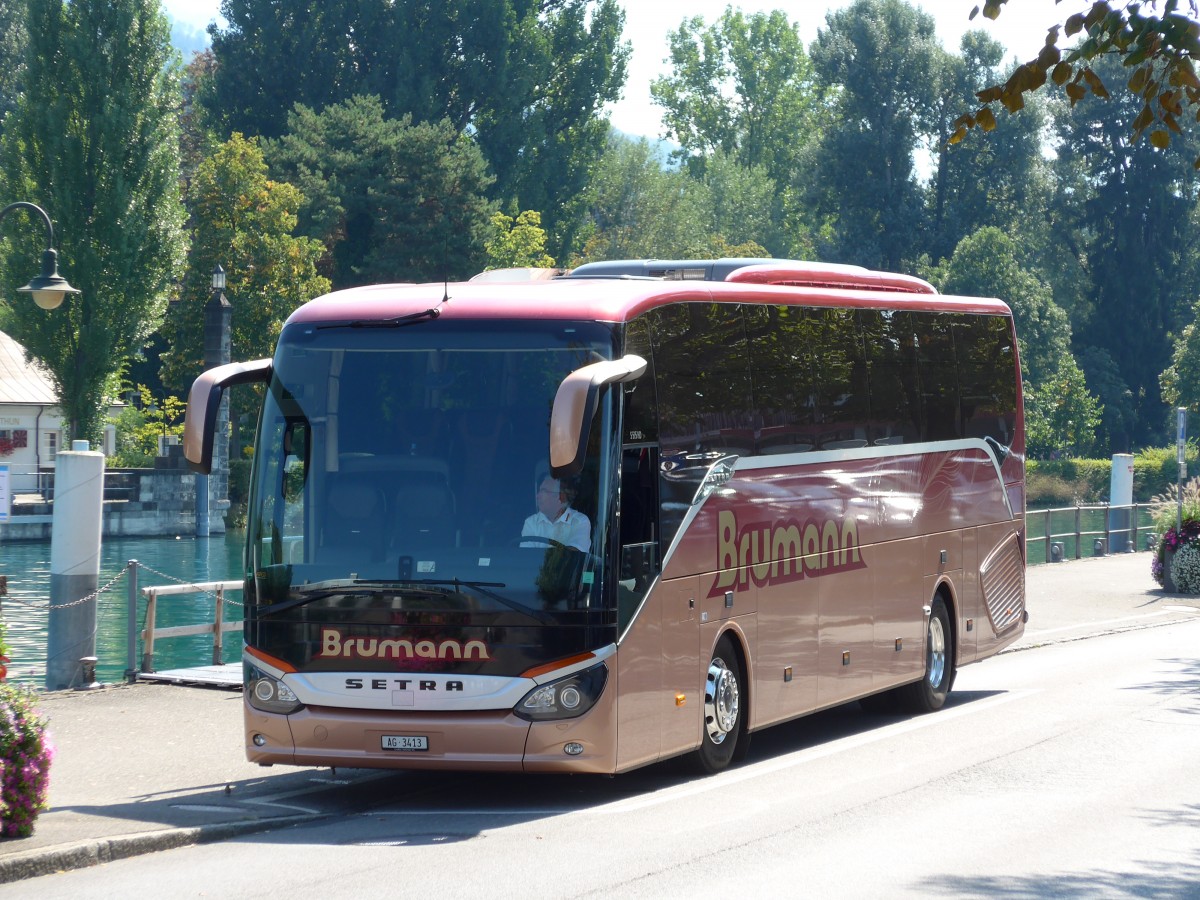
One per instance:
[(1061, 414), (527, 78), (641, 210), (94, 138), (244, 223), (1161, 51), (390, 199), (517, 243), (13, 41), (881, 61), (1129, 218), (742, 86), (996, 179), (742, 91)]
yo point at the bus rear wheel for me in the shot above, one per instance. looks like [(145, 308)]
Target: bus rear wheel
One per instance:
[(724, 711), (929, 694)]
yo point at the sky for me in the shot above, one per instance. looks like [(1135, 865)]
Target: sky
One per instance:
[(1021, 29)]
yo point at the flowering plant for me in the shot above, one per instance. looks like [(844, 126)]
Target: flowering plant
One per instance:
[(25, 754), (1166, 510)]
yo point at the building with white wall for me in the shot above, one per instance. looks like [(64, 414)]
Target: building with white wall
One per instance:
[(32, 428)]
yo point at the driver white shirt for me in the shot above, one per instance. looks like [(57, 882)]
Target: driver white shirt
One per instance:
[(572, 529)]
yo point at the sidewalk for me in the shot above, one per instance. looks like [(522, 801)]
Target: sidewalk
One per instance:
[(148, 767)]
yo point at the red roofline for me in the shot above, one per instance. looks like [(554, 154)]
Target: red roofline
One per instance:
[(605, 300)]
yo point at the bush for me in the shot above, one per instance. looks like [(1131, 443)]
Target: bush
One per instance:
[(1185, 569), (1058, 482)]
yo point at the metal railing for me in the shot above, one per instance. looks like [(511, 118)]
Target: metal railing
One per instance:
[(1077, 532), (150, 633)]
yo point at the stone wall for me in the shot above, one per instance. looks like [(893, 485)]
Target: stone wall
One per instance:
[(158, 502)]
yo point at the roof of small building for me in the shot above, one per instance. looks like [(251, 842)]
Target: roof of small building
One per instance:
[(22, 381)]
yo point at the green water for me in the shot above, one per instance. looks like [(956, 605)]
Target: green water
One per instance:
[(164, 561)]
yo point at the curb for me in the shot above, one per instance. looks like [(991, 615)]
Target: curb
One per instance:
[(84, 854)]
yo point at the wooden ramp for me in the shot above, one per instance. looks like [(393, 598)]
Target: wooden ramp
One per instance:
[(225, 676)]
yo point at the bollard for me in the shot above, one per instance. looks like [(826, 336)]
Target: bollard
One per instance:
[(1056, 551), (1099, 547), (1151, 541), (74, 563), (87, 666)]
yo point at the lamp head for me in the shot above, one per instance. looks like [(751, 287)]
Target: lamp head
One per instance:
[(218, 278), (49, 289)]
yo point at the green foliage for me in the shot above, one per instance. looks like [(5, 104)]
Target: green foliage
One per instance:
[(527, 78), (641, 211), (243, 222), (1127, 211), (139, 428), (517, 243), (94, 140), (882, 65), (984, 180), (390, 199), (13, 40), (743, 87), (1061, 416), (1070, 480)]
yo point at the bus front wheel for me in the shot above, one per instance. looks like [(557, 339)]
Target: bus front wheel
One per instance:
[(724, 710), (929, 694)]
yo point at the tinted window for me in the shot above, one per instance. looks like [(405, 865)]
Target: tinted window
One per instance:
[(890, 347), (641, 407), (783, 347)]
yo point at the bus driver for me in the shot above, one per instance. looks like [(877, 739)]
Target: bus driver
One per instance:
[(555, 520)]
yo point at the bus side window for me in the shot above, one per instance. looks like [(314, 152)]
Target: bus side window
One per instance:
[(639, 505)]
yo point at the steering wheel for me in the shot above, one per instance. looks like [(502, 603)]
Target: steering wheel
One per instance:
[(538, 539)]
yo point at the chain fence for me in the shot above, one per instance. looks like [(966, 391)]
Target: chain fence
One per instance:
[(134, 574)]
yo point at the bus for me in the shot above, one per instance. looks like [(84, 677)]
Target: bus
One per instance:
[(768, 488)]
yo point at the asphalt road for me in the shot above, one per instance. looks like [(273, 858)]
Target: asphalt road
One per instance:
[(1064, 770)]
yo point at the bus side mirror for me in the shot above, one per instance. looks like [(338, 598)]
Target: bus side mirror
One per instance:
[(204, 401), (575, 406)]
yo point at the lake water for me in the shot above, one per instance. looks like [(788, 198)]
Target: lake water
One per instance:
[(164, 561)]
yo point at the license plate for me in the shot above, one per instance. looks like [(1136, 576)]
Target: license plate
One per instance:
[(405, 742)]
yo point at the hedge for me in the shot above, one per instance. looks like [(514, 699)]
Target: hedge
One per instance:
[(1063, 482)]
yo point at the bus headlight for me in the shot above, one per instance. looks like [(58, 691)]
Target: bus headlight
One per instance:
[(566, 698), (269, 694)]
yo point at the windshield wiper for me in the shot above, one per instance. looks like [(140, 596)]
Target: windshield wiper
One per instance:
[(313, 594), (394, 322), (482, 587)]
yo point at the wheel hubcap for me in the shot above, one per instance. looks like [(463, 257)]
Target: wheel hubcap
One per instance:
[(937, 652), (721, 701)]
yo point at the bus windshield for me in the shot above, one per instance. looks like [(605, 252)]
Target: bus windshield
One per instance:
[(403, 516)]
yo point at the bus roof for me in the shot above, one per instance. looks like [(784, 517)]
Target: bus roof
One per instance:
[(610, 298)]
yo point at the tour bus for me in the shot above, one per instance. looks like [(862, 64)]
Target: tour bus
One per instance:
[(768, 488)]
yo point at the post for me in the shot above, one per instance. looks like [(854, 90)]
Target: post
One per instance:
[(1048, 536), (218, 622), (1181, 454), (74, 563), (1120, 502), (131, 624), (148, 640), (212, 491), (1078, 534)]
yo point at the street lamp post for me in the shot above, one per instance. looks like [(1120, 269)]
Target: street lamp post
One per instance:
[(49, 289), (76, 522)]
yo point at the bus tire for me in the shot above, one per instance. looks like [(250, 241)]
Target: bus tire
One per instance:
[(724, 725), (929, 694)]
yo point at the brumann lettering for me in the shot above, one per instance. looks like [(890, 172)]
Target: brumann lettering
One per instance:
[(336, 645), (785, 550)]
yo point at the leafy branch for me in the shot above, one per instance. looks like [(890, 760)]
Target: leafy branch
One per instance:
[(1161, 51)]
